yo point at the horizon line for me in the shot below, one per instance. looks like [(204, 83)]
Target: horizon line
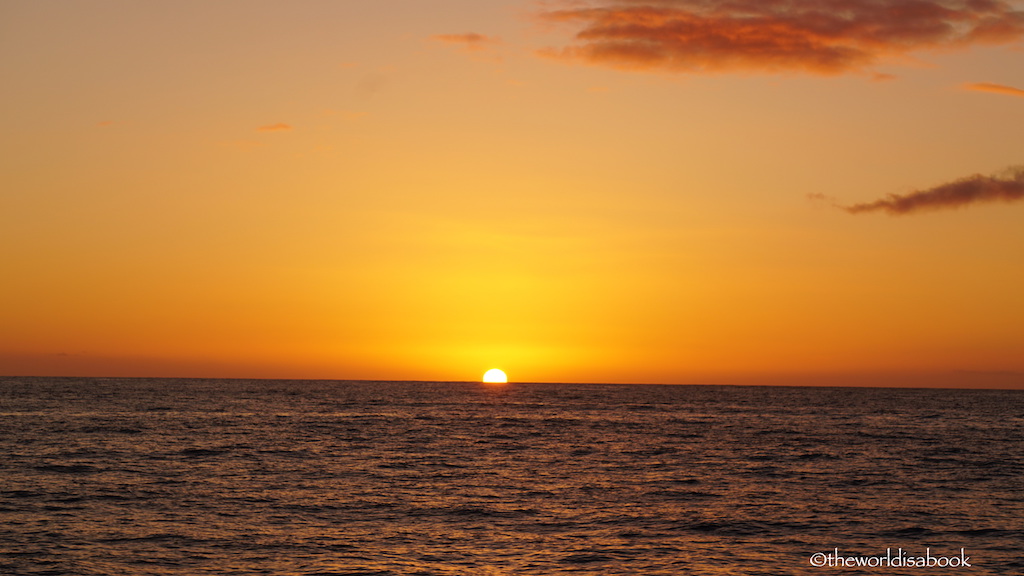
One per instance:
[(1019, 388)]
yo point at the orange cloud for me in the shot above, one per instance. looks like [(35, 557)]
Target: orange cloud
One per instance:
[(280, 126), (819, 37), (962, 192), (470, 41), (996, 88)]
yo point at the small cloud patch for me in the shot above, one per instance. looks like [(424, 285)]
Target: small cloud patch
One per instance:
[(279, 127), (995, 89), (470, 41)]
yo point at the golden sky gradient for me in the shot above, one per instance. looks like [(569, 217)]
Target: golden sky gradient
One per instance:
[(607, 191)]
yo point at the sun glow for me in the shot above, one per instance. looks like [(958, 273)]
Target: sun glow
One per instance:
[(495, 376)]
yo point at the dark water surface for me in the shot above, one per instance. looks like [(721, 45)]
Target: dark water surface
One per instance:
[(185, 477)]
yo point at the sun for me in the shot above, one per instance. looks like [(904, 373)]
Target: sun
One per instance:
[(495, 376)]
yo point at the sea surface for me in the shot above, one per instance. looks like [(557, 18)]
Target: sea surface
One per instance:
[(248, 477)]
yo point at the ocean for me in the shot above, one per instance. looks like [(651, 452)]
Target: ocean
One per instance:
[(246, 477)]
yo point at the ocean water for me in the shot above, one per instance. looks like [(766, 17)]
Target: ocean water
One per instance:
[(188, 477)]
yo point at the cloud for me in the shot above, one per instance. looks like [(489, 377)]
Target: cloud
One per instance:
[(279, 127), (1006, 187), (810, 36), (996, 88), (470, 41)]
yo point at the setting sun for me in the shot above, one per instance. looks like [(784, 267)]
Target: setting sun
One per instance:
[(495, 376)]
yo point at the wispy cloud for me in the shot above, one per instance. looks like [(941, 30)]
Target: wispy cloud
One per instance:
[(817, 37), (471, 41), (279, 127), (1006, 187), (996, 88)]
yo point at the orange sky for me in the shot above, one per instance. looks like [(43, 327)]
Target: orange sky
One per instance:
[(597, 192)]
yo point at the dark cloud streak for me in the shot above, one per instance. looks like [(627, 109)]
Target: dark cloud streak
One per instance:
[(974, 189)]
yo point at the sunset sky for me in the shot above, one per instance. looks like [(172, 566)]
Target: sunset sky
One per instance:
[(661, 191)]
